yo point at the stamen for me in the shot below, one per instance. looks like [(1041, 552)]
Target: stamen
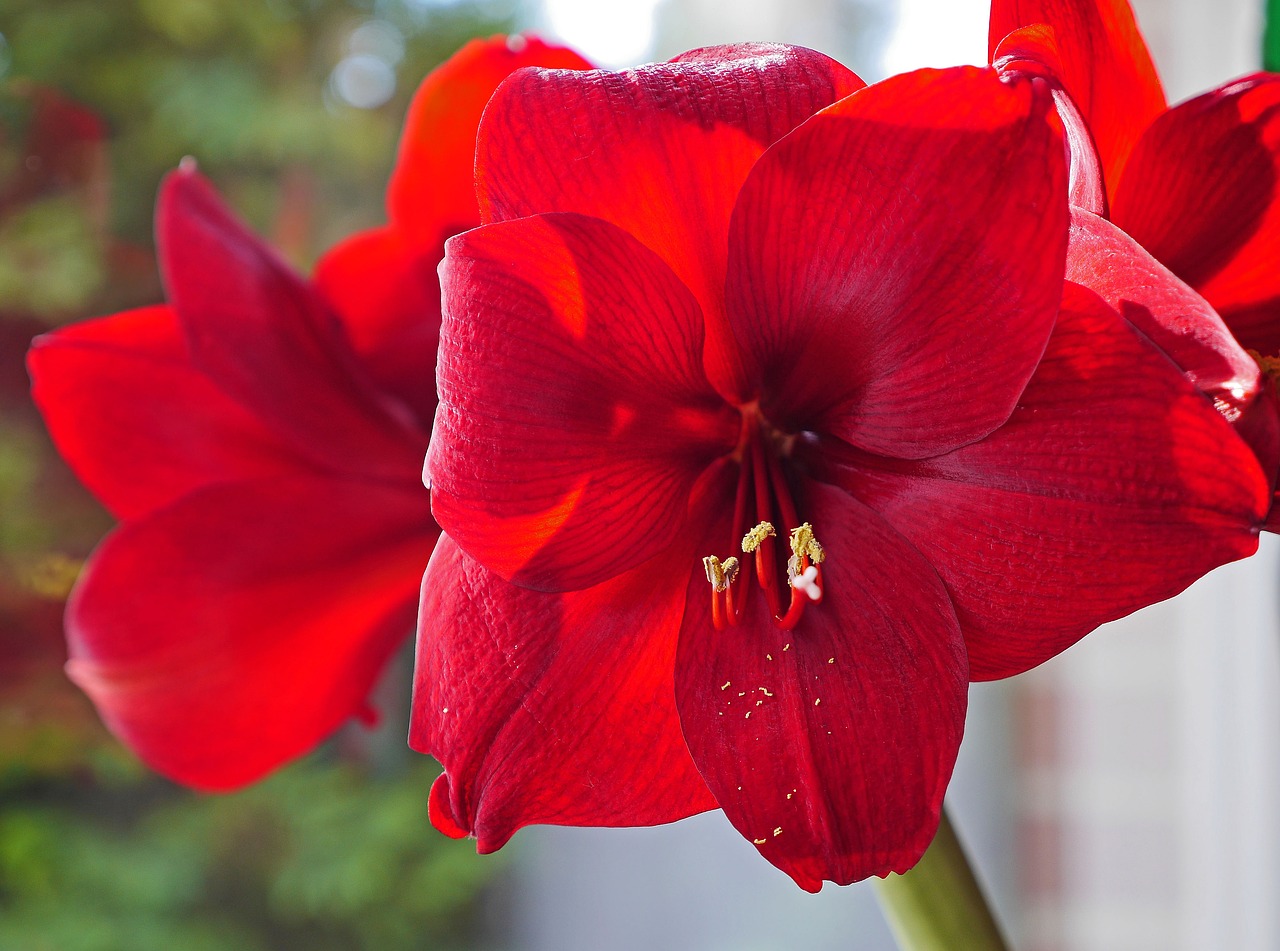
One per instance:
[(754, 538), (805, 551), (803, 542), (761, 479), (721, 574), (781, 491), (760, 542), (765, 567)]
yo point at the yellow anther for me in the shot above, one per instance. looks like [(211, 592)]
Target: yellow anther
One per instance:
[(721, 574), (752, 540), (803, 544)]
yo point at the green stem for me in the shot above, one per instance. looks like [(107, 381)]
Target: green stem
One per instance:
[(1271, 37), (938, 905)]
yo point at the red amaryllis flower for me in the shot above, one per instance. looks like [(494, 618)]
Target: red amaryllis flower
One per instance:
[(261, 440), (758, 437), (1196, 185)]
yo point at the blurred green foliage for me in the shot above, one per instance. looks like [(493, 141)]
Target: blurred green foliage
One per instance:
[(96, 854), (245, 87), (317, 857)]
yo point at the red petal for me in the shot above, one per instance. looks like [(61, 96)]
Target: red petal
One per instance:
[(830, 746), (574, 415), (1114, 485), (432, 195), (1105, 67), (1201, 192), (383, 282), (1259, 426), (661, 151), (551, 708), (263, 337), (1163, 309), (890, 254), (387, 296), (136, 421), (1032, 52), (234, 630)]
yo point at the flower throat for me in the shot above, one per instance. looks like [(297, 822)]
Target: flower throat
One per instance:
[(762, 485)]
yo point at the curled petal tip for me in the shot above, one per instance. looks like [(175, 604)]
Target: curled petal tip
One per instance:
[(440, 809)]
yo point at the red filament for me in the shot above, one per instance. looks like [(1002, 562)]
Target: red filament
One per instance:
[(761, 479)]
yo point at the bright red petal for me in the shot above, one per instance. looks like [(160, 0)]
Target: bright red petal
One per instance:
[(136, 421), (830, 746), (1114, 485), (234, 630), (387, 296), (432, 194), (574, 415), (661, 151), (382, 282), (885, 256), (265, 339), (1105, 67), (551, 708), (1162, 308), (1032, 53), (1201, 192)]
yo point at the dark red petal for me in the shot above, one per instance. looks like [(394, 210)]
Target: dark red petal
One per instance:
[(1162, 308), (1201, 192), (1259, 426), (551, 708), (64, 149), (234, 630), (387, 296), (1032, 52), (136, 421), (432, 195), (1114, 485), (265, 339), (830, 746), (895, 264), (1105, 67), (1272, 524), (574, 415), (661, 151)]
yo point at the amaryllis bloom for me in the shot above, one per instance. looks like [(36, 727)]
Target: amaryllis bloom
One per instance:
[(761, 432), (1196, 185), (260, 437)]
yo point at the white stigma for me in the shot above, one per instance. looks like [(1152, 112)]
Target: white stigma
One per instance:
[(806, 582)]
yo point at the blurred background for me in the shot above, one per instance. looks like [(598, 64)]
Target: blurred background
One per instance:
[(1124, 796)]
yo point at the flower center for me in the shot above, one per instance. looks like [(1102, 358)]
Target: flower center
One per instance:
[(764, 498)]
